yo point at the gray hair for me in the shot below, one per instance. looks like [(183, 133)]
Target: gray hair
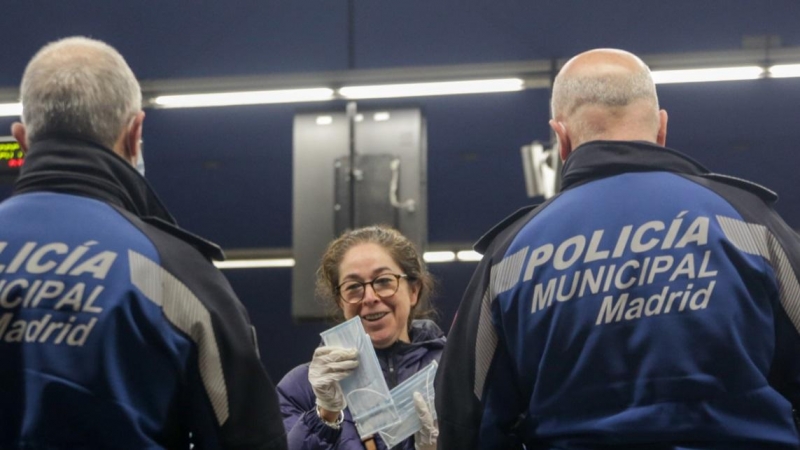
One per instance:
[(607, 90), (80, 86)]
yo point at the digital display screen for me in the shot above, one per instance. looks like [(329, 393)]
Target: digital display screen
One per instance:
[(11, 157)]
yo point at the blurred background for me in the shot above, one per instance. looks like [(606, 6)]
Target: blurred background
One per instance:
[(226, 172)]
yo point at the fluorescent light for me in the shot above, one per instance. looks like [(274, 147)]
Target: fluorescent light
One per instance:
[(324, 120), (381, 116), (703, 75), (359, 117), (437, 257), (469, 255), (784, 71), (438, 88), (244, 98), (10, 109), (254, 263), (262, 263)]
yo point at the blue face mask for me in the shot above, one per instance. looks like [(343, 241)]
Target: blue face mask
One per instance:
[(403, 398), (365, 390)]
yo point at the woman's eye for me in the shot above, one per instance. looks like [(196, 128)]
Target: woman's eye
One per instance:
[(352, 287), (384, 281)]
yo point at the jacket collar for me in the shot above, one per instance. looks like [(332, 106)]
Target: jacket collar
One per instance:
[(600, 159), (74, 165), (423, 333)]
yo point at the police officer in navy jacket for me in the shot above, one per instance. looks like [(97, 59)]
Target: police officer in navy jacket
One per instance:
[(651, 304), (116, 330)]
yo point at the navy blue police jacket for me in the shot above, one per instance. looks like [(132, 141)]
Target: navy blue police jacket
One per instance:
[(305, 429), (650, 304), (116, 330)]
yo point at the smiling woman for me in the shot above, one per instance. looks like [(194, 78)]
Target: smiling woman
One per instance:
[(377, 274), (365, 254)]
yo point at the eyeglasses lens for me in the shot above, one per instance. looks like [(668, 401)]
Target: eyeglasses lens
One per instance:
[(384, 286)]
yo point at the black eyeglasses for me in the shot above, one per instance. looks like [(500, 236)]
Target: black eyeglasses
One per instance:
[(386, 285)]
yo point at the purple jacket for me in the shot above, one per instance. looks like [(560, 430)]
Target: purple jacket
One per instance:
[(398, 362)]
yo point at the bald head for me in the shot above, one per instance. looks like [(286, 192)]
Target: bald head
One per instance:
[(606, 94), (79, 86)]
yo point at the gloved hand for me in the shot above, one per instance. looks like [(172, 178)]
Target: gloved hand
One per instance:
[(328, 366), (425, 438)]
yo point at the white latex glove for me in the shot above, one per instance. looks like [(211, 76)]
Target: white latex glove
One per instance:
[(328, 366), (425, 438)]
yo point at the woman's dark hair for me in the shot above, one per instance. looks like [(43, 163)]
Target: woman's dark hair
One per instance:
[(402, 251)]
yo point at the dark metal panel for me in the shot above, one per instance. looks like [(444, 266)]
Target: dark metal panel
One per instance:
[(369, 184), (401, 134)]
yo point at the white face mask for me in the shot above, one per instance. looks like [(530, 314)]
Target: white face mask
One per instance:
[(140, 159)]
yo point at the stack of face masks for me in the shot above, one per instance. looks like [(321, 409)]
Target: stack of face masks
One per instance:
[(365, 389), (403, 397), (374, 408)]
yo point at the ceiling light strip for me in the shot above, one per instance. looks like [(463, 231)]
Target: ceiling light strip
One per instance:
[(439, 257), (244, 98), (468, 256), (784, 71), (708, 75), (10, 109), (264, 263), (440, 88), (255, 263), (429, 89)]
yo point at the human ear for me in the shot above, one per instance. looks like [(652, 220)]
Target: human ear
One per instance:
[(20, 134), (134, 137), (564, 144), (414, 290), (661, 137)]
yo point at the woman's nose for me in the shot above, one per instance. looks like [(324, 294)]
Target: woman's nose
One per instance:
[(370, 296)]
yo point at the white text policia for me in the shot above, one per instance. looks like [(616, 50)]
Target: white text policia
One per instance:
[(622, 275), (35, 289)]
